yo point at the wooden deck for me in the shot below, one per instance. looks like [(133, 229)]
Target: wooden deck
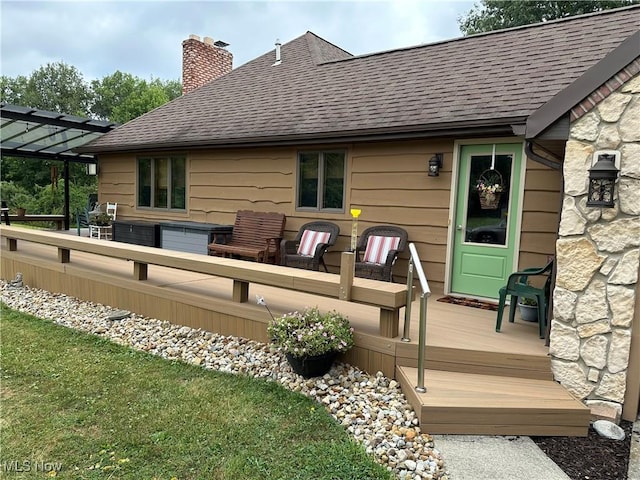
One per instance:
[(478, 381)]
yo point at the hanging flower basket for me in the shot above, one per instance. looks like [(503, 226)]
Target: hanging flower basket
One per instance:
[(490, 187), (489, 201)]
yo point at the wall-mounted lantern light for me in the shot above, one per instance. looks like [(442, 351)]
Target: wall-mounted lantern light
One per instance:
[(92, 168), (435, 164), (602, 180)]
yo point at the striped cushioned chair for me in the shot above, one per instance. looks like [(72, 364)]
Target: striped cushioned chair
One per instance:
[(379, 247), (310, 240), (308, 248)]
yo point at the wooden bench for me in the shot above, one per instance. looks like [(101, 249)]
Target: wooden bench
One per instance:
[(57, 219), (255, 235)]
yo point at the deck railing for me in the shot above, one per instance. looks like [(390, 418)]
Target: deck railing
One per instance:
[(388, 297), (414, 263)]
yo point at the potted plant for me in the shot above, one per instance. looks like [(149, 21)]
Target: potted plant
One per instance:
[(20, 200), (103, 219), (528, 309), (311, 339)]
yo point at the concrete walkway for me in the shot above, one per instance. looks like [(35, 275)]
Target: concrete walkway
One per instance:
[(471, 457)]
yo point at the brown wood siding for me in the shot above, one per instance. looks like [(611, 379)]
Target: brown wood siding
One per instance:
[(117, 183), (387, 180), (222, 182), (540, 214)]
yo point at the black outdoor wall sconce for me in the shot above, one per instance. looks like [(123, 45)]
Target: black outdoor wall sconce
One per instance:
[(435, 164), (602, 180)]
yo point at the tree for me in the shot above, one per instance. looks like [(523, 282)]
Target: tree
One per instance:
[(109, 92), (498, 14), (58, 87), (61, 88), (27, 172), (122, 97), (13, 90)]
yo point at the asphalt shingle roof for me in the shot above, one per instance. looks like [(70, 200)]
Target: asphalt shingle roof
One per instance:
[(321, 91)]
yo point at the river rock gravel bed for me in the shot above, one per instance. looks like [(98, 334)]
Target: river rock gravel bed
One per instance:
[(370, 407)]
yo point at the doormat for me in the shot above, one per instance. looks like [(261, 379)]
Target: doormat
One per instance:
[(469, 302)]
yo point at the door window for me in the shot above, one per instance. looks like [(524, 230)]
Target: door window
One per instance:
[(488, 196)]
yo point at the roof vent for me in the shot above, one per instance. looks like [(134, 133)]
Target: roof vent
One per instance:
[(278, 45)]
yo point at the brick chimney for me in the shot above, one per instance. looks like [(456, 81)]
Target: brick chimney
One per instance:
[(203, 61)]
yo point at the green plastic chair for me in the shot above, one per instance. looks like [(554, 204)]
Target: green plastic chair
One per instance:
[(518, 286)]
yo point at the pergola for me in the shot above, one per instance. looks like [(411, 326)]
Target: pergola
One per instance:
[(43, 135)]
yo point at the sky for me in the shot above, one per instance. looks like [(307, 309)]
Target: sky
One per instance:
[(144, 38)]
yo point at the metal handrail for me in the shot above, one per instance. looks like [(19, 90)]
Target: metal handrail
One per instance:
[(414, 263)]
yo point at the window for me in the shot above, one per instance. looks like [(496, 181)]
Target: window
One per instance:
[(321, 180), (161, 183)]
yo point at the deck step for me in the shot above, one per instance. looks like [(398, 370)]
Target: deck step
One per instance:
[(473, 404), (496, 363)]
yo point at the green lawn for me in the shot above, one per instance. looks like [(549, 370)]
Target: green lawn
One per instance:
[(106, 411)]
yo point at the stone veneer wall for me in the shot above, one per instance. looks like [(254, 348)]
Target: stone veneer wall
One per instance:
[(598, 258)]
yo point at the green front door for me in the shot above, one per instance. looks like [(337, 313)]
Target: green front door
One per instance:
[(485, 232)]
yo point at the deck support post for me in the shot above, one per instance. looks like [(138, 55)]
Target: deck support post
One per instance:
[(240, 291), (389, 322), (64, 255), (347, 272), (140, 270)]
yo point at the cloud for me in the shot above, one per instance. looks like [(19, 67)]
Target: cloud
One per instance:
[(144, 38)]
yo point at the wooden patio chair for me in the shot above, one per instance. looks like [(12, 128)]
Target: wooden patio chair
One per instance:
[(104, 231), (307, 249), (518, 285), (379, 247), (255, 235), (111, 210)]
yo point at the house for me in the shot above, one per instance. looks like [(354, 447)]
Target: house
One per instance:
[(408, 136)]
